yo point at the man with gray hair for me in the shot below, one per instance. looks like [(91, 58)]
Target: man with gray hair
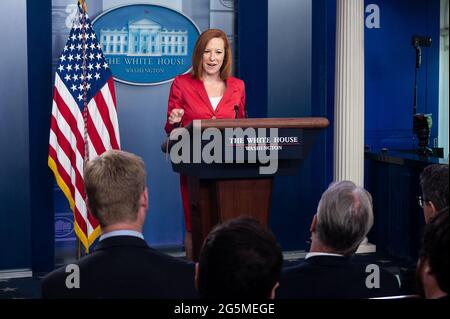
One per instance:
[(122, 264), (343, 219)]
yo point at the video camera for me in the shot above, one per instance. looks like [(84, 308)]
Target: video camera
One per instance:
[(421, 41)]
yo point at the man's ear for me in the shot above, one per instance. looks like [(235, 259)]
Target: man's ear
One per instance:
[(143, 206), (197, 269), (426, 267), (313, 226), (433, 208), (144, 198), (429, 211), (88, 206), (272, 293)]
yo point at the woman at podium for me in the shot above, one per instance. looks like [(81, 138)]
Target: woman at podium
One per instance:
[(207, 92)]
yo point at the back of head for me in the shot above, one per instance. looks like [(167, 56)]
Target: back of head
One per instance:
[(344, 217), (239, 259), (114, 182), (434, 183), (435, 248)]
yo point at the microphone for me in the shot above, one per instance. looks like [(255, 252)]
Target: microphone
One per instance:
[(417, 42), (421, 41), (236, 111)]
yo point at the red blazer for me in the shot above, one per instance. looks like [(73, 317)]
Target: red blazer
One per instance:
[(190, 95)]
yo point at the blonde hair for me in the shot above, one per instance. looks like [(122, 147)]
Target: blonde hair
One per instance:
[(200, 45), (114, 182)]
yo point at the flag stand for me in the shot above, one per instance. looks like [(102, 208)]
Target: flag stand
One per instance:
[(79, 249)]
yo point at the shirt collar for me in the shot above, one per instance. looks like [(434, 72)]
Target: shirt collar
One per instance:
[(309, 255), (116, 233)]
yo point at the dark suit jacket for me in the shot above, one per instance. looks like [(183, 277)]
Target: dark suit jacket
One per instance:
[(190, 95), (125, 267), (333, 277)]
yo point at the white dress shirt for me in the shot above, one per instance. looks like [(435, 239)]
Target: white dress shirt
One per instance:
[(116, 233), (309, 255)]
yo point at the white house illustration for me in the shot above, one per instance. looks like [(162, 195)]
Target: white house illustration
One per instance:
[(144, 38)]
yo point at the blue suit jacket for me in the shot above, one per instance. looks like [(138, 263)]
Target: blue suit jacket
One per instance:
[(125, 267), (333, 277)]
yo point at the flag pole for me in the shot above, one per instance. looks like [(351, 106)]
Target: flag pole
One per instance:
[(82, 5), (85, 105)]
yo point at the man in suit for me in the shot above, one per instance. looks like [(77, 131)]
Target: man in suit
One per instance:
[(240, 259), (343, 219), (433, 266), (434, 183), (122, 265)]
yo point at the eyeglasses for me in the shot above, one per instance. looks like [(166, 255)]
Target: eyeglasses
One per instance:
[(421, 201)]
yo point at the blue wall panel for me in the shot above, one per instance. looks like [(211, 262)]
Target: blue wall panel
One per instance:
[(40, 90), (389, 71), (330, 22), (252, 51), (26, 214), (289, 95), (285, 74), (14, 160)]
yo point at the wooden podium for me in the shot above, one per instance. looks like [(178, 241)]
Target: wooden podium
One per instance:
[(222, 191)]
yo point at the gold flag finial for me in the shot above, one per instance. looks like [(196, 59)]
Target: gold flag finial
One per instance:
[(83, 5)]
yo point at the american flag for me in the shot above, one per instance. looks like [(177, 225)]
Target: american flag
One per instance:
[(84, 119)]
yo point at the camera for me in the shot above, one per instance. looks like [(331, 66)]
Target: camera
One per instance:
[(422, 124), (421, 41)]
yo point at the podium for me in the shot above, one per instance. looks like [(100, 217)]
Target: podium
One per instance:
[(239, 181)]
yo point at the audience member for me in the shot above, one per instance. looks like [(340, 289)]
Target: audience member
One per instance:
[(343, 219), (240, 259), (433, 265), (122, 265), (434, 183)]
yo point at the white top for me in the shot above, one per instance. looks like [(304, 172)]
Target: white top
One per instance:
[(215, 101)]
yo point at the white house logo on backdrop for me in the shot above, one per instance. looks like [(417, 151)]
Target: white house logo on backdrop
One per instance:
[(64, 228), (146, 44), (144, 38)]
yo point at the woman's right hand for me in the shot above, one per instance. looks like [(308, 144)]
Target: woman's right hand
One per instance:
[(175, 116)]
